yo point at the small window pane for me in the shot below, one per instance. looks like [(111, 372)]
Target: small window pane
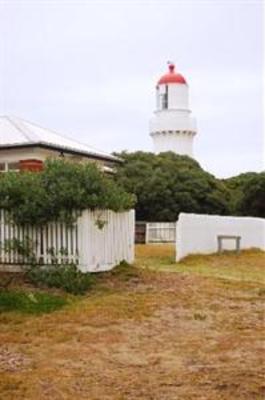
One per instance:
[(13, 166), (2, 167)]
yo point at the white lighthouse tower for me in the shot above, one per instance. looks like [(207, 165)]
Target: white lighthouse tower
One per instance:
[(172, 128)]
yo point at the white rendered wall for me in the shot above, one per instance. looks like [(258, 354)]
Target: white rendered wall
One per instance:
[(180, 143), (170, 120), (178, 97), (17, 154), (197, 234)]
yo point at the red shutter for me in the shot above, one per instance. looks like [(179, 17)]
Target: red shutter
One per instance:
[(31, 165)]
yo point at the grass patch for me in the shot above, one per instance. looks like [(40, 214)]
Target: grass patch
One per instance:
[(185, 333), (30, 302), (155, 255), (246, 266)]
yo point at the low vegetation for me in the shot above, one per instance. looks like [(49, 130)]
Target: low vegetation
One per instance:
[(156, 330), (66, 277), (29, 302)]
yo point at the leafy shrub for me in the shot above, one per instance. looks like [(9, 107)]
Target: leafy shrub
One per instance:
[(125, 271), (58, 192), (66, 277), (29, 303)]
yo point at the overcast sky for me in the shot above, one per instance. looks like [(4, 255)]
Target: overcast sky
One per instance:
[(88, 69)]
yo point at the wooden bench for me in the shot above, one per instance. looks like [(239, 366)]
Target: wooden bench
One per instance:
[(220, 239)]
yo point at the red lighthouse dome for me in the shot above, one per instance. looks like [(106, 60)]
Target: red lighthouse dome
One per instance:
[(171, 77)]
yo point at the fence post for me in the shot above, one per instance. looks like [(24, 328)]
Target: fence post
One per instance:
[(147, 233), (178, 243), (131, 217), (83, 245)]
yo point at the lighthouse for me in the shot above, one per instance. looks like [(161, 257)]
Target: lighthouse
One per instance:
[(172, 127)]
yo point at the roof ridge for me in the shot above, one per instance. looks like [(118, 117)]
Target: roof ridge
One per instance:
[(26, 132), (64, 136)]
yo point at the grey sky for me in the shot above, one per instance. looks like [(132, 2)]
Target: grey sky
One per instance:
[(88, 69)]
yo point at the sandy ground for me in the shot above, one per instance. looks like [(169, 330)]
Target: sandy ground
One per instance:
[(151, 335)]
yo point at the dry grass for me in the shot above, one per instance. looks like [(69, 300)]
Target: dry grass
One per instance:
[(160, 332), (248, 265)]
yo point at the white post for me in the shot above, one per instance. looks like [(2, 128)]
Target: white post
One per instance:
[(84, 241), (178, 239), (132, 236), (147, 232)]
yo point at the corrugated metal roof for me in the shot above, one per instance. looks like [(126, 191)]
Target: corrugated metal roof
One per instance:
[(16, 132)]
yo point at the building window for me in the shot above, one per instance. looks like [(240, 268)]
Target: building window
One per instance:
[(13, 166), (9, 166), (2, 167)]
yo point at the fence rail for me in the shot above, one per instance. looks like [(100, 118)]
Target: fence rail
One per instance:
[(97, 241), (53, 243)]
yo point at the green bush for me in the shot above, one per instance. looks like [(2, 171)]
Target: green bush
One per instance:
[(29, 302), (63, 189), (66, 277)]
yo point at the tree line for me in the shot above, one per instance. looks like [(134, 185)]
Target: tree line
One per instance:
[(167, 184), (159, 187)]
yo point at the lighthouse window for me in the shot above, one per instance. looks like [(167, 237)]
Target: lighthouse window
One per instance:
[(157, 97), (165, 99)]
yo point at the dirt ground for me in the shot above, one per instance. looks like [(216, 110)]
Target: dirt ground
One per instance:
[(149, 334)]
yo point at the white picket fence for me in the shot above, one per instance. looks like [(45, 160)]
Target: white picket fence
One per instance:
[(97, 241), (160, 232)]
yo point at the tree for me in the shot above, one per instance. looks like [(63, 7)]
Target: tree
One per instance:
[(167, 184), (248, 194), (235, 185)]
